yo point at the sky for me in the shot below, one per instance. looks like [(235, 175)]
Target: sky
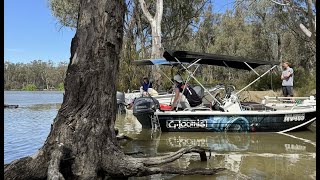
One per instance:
[(32, 33)]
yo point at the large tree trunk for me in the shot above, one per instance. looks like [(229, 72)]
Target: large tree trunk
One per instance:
[(84, 126), (82, 143)]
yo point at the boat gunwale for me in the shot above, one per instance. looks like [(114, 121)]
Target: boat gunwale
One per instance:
[(252, 112)]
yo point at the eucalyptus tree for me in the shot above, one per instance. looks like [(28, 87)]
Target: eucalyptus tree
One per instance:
[(82, 142), (176, 24), (281, 25), (155, 23)]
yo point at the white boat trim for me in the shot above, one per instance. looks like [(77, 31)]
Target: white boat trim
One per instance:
[(280, 112), (298, 126)]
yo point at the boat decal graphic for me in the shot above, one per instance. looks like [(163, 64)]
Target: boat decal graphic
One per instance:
[(224, 123)]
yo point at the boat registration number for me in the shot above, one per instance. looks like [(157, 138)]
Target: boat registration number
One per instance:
[(294, 117)]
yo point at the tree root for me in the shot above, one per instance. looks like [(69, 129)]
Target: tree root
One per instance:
[(152, 161), (25, 168), (131, 166), (133, 153), (54, 165), (174, 156), (124, 137)]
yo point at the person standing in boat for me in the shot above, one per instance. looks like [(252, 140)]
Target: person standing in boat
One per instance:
[(287, 80), (146, 84), (192, 97)]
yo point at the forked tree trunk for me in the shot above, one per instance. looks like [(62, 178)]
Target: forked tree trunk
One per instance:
[(155, 23), (82, 143)]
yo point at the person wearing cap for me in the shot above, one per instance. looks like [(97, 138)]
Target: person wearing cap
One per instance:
[(146, 84), (189, 93)]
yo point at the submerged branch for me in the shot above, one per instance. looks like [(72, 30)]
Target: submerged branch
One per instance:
[(168, 170), (174, 156)]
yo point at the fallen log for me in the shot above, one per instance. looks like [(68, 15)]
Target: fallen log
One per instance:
[(10, 106)]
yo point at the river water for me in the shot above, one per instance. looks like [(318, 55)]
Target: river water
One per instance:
[(245, 155)]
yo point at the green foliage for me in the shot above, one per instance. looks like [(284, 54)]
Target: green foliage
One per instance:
[(66, 11), (304, 82), (60, 87), (29, 87), (252, 29), (44, 75), (268, 82)]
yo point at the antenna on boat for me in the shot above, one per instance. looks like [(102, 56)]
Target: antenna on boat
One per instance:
[(271, 79)]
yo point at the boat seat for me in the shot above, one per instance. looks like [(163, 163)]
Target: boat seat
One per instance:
[(199, 90), (152, 92)]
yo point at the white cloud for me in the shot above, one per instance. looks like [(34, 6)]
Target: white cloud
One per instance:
[(14, 50)]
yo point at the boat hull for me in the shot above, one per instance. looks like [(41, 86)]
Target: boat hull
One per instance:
[(230, 123)]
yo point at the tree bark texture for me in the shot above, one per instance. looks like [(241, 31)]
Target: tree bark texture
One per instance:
[(82, 142)]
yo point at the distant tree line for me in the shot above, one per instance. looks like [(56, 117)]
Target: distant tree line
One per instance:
[(260, 30), (36, 75)]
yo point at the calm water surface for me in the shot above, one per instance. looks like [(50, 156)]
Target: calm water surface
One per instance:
[(246, 156)]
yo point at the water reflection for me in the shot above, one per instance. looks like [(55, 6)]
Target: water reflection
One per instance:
[(245, 155)]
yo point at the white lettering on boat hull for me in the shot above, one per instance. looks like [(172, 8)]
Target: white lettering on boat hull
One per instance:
[(294, 117), (179, 124)]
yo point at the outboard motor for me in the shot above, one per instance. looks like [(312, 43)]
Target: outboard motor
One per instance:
[(121, 102), (143, 109)]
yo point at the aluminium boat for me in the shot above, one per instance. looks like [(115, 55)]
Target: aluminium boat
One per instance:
[(225, 115)]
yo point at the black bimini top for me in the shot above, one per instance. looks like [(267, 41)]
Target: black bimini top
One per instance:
[(214, 59)]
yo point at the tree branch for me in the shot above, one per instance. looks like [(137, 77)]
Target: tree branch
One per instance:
[(310, 19), (159, 11), (174, 156), (293, 8), (305, 30), (281, 4), (145, 11)]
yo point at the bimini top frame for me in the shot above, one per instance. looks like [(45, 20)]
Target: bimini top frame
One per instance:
[(193, 58), (182, 58)]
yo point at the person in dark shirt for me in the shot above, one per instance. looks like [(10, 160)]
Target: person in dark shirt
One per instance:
[(192, 97), (145, 85)]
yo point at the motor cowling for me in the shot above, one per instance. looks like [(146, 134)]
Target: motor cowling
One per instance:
[(120, 97), (121, 102), (144, 105)]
